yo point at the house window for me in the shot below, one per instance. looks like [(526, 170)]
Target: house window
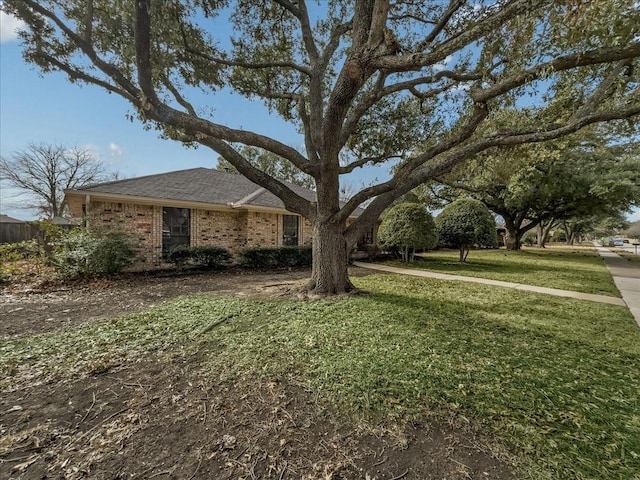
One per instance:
[(290, 229), (367, 238), (175, 228)]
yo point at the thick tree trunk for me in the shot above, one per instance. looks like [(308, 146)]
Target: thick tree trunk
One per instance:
[(514, 238), (543, 232), (542, 236), (571, 238), (329, 274)]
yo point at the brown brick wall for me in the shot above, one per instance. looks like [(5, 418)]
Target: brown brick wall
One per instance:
[(263, 229), (231, 230), (306, 237), (220, 229), (143, 223)]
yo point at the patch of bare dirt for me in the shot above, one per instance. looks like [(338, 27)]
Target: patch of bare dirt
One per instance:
[(29, 308), (167, 419)]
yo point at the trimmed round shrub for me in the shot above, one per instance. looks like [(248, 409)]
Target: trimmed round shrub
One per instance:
[(408, 227), (466, 223)]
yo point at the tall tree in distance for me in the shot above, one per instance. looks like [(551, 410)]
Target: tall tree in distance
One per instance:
[(414, 85), (582, 175), (42, 172), (271, 164)]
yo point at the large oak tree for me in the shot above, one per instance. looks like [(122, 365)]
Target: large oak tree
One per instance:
[(365, 81)]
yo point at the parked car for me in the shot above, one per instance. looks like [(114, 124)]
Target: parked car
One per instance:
[(618, 242)]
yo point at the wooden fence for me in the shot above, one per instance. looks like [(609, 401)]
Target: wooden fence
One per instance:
[(16, 232)]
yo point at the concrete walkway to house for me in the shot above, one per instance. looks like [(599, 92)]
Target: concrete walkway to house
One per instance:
[(626, 277), (485, 281)]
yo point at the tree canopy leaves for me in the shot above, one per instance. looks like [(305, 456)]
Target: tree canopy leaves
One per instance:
[(415, 85), (590, 173)]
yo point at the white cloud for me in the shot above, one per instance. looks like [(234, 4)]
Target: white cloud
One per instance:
[(438, 67), (115, 149), (110, 155), (9, 26)]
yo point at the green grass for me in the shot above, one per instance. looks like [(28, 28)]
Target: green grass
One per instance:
[(579, 270), (632, 258), (553, 381)]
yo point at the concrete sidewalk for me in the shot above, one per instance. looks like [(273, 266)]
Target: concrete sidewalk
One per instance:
[(518, 286), (626, 277)]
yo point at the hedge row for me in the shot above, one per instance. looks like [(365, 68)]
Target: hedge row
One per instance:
[(257, 258), (262, 258), (213, 258)]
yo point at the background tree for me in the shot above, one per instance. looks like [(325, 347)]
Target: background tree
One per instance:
[(42, 172), (464, 224), (543, 229), (586, 174), (609, 225), (575, 228), (271, 164), (408, 227), (366, 82), (633, 230)]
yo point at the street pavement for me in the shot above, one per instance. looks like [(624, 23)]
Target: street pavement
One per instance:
[(631, 248), (626, 277)]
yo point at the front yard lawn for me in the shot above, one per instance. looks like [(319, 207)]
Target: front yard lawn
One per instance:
[(575, 269), (551, 382)]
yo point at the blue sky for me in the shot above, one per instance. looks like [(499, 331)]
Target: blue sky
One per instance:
[(48, 109)]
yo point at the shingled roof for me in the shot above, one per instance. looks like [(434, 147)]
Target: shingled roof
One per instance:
[(202, 185), (8, 219)]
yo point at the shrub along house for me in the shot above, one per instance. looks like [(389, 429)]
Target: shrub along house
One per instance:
[(196, 207)]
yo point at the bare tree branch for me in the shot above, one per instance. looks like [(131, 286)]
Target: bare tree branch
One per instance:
[(251, 65), (307, 32), (292, 201), (179, 98), (415, 61), (105, 67), (44, 171), (565, 62), (364, 161), (453, 7)]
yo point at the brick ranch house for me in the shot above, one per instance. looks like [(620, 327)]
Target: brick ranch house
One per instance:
[(196, 207)]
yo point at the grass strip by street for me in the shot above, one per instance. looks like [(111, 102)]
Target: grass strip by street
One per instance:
[(553, 381), (632, 258), (564, 268)]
